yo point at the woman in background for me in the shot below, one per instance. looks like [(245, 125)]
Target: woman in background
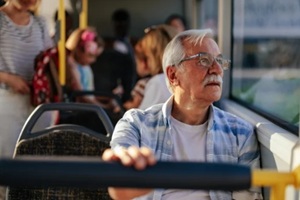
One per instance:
[(152, 88), (143, 72), (22, 37)]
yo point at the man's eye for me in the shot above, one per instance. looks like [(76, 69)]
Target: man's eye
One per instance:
[(204, 61), (220, 60)]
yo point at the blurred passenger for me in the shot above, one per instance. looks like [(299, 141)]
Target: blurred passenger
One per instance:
[(22, 37), (143, 72), (114, 70), (115, 73), (69, 25), (149, 56), (84, 46), (187, 127), (177, 21), (121, 24)]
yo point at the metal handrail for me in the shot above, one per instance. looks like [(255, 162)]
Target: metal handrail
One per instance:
[(91, 174), (94, 173)]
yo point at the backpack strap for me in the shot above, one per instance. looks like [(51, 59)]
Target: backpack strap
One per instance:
[(57, 90)]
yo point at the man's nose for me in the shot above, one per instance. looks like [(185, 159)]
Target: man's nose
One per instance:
[(216, 67)]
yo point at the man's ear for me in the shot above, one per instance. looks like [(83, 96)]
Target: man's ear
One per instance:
[(172, 75)]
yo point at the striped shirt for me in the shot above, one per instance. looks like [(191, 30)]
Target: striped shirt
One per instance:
[(229, 139), (139, 88), (19, 45)]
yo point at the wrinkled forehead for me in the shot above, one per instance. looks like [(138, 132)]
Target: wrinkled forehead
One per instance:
[(205, 45)]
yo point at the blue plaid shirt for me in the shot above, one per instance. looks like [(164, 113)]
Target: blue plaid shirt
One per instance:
[(229, 138)]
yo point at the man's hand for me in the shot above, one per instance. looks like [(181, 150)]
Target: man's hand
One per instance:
[(139, 158)]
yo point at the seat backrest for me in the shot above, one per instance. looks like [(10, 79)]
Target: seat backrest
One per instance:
[(27, 130), (60, 140), (67, 142)]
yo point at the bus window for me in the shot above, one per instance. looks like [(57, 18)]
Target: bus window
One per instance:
[(209, 15), (266, 64)]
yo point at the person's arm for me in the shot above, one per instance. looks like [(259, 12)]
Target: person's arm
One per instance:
[(137, 94), (134, 102), (139, 158), (15, 82)]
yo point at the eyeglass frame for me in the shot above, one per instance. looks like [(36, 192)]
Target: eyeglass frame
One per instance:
[(214, 60)]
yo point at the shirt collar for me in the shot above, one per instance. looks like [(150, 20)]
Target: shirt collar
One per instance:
[(210, 117), (167, 108)]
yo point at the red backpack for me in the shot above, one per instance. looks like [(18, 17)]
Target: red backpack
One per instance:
[(45, 83)]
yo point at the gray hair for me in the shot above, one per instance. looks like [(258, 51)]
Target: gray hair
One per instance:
[(174, 51)]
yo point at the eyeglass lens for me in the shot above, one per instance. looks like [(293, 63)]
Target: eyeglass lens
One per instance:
[(206, 60)]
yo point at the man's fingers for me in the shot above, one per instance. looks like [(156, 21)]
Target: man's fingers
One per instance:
[(137, 157), (120, 154), (147, 153), (140, 161), (143, 157), (109, 155), (124, 157)]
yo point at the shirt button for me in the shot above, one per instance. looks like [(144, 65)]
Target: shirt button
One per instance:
[(169, 142)]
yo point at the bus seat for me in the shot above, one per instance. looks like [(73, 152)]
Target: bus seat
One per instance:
[(69, 141), (60, 141)]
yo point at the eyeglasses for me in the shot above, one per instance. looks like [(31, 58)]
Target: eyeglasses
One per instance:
[(206, 60)]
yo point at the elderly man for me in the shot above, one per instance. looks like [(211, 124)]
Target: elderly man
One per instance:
[(187, 127)]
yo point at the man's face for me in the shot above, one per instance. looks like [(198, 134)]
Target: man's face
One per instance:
[(197, 82)]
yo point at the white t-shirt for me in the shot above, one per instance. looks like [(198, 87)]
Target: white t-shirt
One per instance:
[(188, 145), (156, 91)]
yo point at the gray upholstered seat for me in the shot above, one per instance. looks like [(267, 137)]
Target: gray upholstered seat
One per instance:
[(61, 140)]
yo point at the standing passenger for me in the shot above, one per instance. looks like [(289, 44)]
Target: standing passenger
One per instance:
[(69, 25), (187, 127), (114, 72), (22, 37), (121, 23)]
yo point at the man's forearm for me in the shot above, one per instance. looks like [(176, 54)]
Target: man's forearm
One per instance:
[(127, 193)]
